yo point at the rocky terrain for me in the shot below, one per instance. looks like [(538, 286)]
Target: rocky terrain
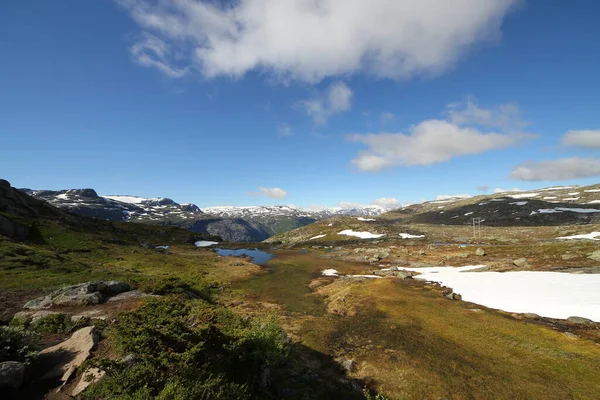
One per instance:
[(358, 306)]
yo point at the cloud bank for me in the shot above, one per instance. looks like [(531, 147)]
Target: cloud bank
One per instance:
[(557, 170), (273, 193), (336, 99), (310, 40), (587, 139), (438, 140)]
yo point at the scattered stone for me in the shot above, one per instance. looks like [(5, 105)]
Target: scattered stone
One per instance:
[(422, 252), (463, 254), (70, 354), (480, 252), (404, 275), (79, 295), (521, 263), (594, 255), (91, 375), (346, 364), (11, 377), (579, 320), (568, 257), (531, 316), (453, 296)]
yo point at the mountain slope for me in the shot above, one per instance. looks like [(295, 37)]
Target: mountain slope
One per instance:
[(235, 223)]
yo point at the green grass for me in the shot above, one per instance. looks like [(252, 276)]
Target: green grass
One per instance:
[(418, 345)]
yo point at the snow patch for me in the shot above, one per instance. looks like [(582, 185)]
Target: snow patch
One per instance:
[(362, 235), (524, 195), (591, 236), (549, 294), (365, 219), (409, 236), (329, 272), (204, 243), (592, 190), (561, 209), (317, 237), (519, 203)]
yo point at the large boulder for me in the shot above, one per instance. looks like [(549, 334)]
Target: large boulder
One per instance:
[(480, 252), (79, 295), (67, 356), (11, 377)]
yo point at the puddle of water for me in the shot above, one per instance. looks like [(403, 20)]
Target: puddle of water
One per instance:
[(258, 256)]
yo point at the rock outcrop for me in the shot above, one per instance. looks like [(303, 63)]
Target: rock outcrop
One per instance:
[(79, 295)]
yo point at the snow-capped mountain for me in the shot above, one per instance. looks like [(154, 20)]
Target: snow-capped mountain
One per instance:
[(232, 223)]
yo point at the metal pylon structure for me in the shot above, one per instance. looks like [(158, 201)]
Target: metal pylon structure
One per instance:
[(477, 227)]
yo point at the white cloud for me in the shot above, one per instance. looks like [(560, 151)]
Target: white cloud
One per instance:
[(337, 99), (506, 117), (284, 130), (434, 141), (150, 51), (386, 117), (274, 193), (309, 40), (500, 190), (589, 139), (387, 202), (452, 196), (557, 170)]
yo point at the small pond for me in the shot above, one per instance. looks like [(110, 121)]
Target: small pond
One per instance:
[(258, 256)]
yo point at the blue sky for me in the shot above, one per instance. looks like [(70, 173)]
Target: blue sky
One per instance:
[(328, 101)]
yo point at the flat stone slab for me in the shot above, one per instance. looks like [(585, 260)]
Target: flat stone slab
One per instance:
[(71, 353)]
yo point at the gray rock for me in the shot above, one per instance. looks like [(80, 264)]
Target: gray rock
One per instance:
[(346, 364), (11, 377), (568, 257), (39, 303), (404, 275), (531, 316), (453, 296), (70, 354), (480, 252), (131, 295), (579, 320), (80, 299), (79, 295), (594, 255), (521, 263)]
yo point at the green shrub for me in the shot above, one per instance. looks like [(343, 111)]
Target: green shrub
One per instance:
[(17, 344), (189, 350), (53, 323)]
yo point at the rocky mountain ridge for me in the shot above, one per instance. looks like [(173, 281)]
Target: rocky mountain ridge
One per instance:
[(232, 223)]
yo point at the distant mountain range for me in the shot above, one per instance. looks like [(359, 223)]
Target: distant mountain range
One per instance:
[(232, 223)]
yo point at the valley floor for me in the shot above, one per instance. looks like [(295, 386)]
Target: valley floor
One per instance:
[(400, 337)]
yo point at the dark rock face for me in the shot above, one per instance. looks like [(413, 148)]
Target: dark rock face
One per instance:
[(231, 230), (13, 230), (11, 377)]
